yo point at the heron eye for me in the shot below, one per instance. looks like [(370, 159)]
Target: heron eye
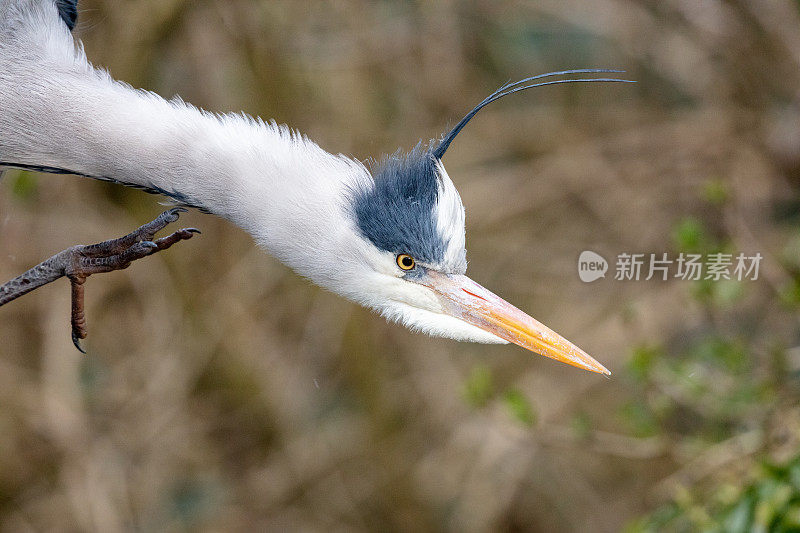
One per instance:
[(406, 262)]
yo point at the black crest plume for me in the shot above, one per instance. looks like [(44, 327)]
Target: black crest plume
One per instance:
[(521, 85), (68, 9)]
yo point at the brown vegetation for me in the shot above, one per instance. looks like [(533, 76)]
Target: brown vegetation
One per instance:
[(222, 392)]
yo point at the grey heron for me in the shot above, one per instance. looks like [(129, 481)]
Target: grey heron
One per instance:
[(389, 235)]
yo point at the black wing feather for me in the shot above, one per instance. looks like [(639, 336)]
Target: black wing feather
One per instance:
[(179, 198)]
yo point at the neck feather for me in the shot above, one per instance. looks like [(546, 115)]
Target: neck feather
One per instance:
[(60, 113)]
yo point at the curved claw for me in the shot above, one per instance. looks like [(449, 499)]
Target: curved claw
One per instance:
[(77, 342), (175, 212), (168, 217), (193, 230), (186, 233), (143, 247), (149, 248)]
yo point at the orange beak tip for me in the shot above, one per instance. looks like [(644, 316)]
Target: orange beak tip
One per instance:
[(468, 301)]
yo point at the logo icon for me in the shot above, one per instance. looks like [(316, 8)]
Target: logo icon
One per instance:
[(591, 266)]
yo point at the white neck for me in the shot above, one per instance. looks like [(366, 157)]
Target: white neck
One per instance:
[(57, 111)]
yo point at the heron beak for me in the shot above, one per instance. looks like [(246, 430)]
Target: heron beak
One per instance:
[(464, 299)]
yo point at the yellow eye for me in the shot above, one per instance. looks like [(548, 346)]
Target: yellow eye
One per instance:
[(406, 262)]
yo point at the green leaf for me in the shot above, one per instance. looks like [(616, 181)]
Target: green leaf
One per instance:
[(642, 360), (730, 354), (715, 192), (519, 406), (727, 292), (740, 518), (479, 388), (639, 419), (689, 235), (790, 293), (582, 425), (794, 475), (25, 186)]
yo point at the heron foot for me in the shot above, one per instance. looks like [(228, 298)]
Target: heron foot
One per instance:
[(117, 254)]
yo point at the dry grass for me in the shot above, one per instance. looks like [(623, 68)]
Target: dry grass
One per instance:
[(222, 392)]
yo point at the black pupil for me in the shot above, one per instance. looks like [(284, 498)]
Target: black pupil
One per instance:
[(407, 262)]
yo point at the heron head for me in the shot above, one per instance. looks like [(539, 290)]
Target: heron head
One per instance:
[(413, 220)]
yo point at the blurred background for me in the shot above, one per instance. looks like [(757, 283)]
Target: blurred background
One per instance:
[(221, 392)]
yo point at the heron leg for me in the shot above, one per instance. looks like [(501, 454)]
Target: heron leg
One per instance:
[(79, 262), (78, 316)]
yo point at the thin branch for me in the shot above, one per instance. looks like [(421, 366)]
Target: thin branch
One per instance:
[(79, 262)]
